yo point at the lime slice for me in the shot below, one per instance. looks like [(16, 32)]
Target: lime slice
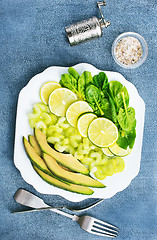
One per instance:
[(60, 99), (75, 110), (102, 132), (107, 152), (46, 89), (83, 122), (118, 151)]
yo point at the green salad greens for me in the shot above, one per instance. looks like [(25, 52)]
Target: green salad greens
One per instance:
[(107, 99)]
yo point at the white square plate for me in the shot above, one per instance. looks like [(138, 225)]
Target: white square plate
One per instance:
[(29, 95)]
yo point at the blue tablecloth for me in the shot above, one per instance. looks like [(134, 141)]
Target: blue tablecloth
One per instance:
[(32, 38)]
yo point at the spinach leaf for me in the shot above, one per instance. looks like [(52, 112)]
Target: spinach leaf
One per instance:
[(82, 86), (69, 82), (126, 119), (96, 100), (84, 80), (131, 138), (118, 93), (88, 77), (113, 110), (100, 81), (126, 139), (73, 72), (126, 116), (105, 86), (76, 83)]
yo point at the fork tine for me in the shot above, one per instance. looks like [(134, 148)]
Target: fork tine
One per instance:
[(105, 223), (100, 232), (105, 228)]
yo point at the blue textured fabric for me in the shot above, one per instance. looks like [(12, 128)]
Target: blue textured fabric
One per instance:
[(32, 38)]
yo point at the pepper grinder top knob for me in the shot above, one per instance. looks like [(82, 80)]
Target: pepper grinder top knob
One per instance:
[(103, 22)]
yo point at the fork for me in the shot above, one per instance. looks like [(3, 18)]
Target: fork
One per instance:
[(28, 199), (95, 226), (87, 223)]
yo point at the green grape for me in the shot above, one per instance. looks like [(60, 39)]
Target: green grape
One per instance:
[(99, 174), (40, 107)]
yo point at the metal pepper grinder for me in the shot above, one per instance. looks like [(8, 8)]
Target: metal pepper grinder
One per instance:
[(87, 29)]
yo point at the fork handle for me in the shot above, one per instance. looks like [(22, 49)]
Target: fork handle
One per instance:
[(56, 210), (72, 216)]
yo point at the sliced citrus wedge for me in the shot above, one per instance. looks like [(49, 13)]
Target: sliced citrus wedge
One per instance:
[(118, 151), (107, 152), (75, 110), (60, 99), (46, 89), (83, 122), (102, 132)]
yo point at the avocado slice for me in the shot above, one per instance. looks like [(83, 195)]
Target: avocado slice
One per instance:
[(41, 168), (66, 160), (72, 177), (35, 158), (70, 187), (34, 143)]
